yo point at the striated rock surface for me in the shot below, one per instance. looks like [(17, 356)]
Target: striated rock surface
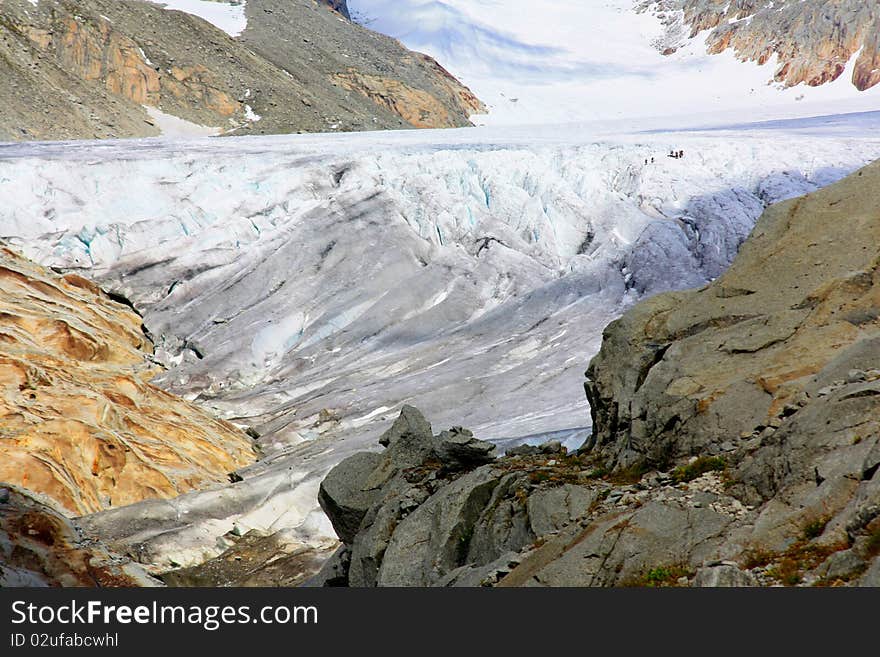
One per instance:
[(93, 69), (810, 42), (81, 426)]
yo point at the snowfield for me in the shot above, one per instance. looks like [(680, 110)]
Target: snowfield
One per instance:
[(228, 16), (309, 286), (555, 61)]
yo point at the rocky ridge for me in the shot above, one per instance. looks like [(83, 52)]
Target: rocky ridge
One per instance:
[(810, 42), (104, 68), (736, 440)]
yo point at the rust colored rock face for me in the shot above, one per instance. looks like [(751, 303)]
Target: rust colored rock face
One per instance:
[(94, 51), (418, 108), (813, 41), (81, 426), (415, 106), (40, 547)]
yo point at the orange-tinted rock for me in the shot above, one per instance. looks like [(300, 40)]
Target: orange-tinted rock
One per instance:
[(40, 547), (81, 426), (415, 106), (95, 52), (813, 41)]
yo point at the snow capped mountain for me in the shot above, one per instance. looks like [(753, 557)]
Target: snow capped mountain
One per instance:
[(307, 287), (559, 61)]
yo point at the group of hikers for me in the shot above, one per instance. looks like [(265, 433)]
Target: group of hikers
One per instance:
[(673, 154)]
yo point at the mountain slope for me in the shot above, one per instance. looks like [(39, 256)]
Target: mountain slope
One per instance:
[(560, 61), (105, 68)]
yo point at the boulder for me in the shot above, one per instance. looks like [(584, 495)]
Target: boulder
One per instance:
[(410, 425), (344, 495), (723, 575), (457, 447)]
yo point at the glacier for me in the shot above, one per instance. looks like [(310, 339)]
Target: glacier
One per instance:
[(557, 61), (306, 287)]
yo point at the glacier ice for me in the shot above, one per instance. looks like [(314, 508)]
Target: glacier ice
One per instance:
[(308, 286), (557, 61)]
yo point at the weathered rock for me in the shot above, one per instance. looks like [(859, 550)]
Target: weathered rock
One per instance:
[(685, 370), (620, 548), (504, 524), (82, 427), (487, 575), (550, 509), (458, 448), (841, 565), (812, 42), (410, 425), (872, 575), (434, 539), (344, 494), (723, 575), (334, 571), (523, 450)]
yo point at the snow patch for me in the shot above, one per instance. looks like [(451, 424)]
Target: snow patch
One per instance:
[(176, 128), (228, 16)]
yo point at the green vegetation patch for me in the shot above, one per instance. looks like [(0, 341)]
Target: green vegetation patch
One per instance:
[(701, 466)]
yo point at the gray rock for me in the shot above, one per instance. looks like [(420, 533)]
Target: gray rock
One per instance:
[(503, 525), (551, 509), (620, 547), (487, 575), (551, 447), (410, 445), (344, 496), (872, 575), (410, 425), (723, 575), (334, 572), (435, 539), (458, 448), (523, 450), (841, 565)]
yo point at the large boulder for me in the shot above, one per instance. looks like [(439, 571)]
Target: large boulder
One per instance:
[(345, 496)]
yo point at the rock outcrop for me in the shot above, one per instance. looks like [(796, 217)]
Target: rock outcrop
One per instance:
[(774, 367), (82, 428), (93, 69), (443, 510), (39, 547), (736, 440), (810, 42)]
